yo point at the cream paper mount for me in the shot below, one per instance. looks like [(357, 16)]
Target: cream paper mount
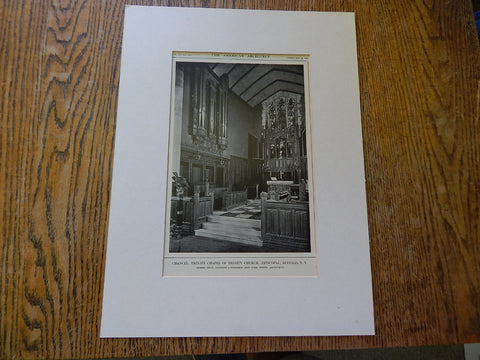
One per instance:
[(333, 294)]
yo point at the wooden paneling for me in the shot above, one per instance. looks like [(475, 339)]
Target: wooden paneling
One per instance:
[(419, 82), (195, 210), (202, 207), (285, 226), (238, 172)]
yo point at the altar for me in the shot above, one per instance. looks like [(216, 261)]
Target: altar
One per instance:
[(279, 189)]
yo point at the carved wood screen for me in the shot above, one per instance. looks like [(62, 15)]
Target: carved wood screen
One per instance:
[(283, 122)]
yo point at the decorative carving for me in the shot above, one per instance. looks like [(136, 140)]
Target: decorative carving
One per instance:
[(281, 116), (283, 128), (291, 113), (272, 116)]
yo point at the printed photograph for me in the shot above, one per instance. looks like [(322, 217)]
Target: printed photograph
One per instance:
[(239, 167)]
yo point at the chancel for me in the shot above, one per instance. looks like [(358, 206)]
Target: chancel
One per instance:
[(239, 158)]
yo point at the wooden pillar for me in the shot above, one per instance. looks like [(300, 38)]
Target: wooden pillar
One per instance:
[(263, 199), (196, 204), (212, 203)]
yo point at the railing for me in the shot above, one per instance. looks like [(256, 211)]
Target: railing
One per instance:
[(232, 199)]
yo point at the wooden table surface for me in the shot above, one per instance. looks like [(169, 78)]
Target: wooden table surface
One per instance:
[(419, 83)]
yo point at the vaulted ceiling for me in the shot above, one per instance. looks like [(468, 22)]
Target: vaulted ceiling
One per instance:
[(255, 83)]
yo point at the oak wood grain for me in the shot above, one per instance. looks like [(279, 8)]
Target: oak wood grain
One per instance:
[(419, 82)]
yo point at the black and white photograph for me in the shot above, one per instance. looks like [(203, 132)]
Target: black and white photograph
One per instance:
[(239, 155)]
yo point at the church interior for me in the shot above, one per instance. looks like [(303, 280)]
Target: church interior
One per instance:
[(239, 167)]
